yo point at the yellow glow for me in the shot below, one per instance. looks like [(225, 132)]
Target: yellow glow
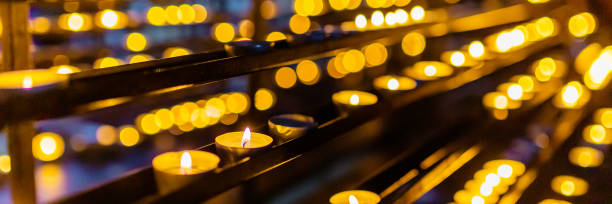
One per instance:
[(339, 5), (172, 15), (457, 58), (378, 18), (224, 32), (156, 16), (545, 69), (400, 3), (106, 135), (47, 146), (139, 58), (515, 92), (390, 19), (353, 199), (526, 82), (569, 185), (175, 52), (285, 77), (361, 21), (572, 95), (430, 70), (538, 1), (264, 99), (476, 49), (586, 156), (76, 22), (109, 18), (401, 16), (246, 137), (417, 13), (586, 57), (106, 62), (393, 84), (268, 9), (5, 164), (354, 100), (200, 13), (299, 24), (545, 26), (353, 61), (185, 160), (413, 44), (308, 72), (26, 82), (375, 54), (504, 171), (275, 36), (486, 190), (39, 25), (598, 75), (64, 69), (553, 201), (246, 28), (492, 180), (596, 134), (582, 24), (129, 136), (146, 123), (333, 71), (501, 102), (136, 42), (237, 103), (164, 119), (603, 116), (478, 200), (186, 14)]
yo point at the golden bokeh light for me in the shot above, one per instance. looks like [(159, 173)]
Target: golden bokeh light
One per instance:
[(413, 43), (285, 77), (175, 52), (268, 9), (476, 49), (573, 95), (603, 116), (40, 25), (200, 13), (353, 61), (246, 28), (164, 119), (146, 124), (107, 62), (308, 72), (186, 14), (417, 13), (128, 136), (401, 16), (139, 58), (156, 16), (47, 146), (553, 201), (110, 19), (378, 18), (569, 185), (299, 24), (275, 36), (5, 164), (361, 21), (375, 54), (457, 58), (172, 14), (136, 42), (597, 134), (224, 32), (106, 135), (586, 156), (582, 24), (264, 99), (237, 103), (64, 69)]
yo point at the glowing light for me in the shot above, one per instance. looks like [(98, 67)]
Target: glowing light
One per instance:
[(164, 118), (186, 14), (268, 9), (129, 136), (375, 54), (136, 42), (353, 200), (572, 95), (185, 160), (246, 137), (237, 103), (224, 32), (175, 52), (457, 58), (598, 75), (476, 49), (308, 72), (64, 69), (604, 117), (5, 164), (275, 36), (246, 28), (586, 156), (485, 189), (545, 69), (264, 99), (515, 92), (478, 200), (390, 19), (39, 25), (109, 18), (146, 123), (413, 43), (569, 185), (353, 60), (492, 179), (430, 70), (378, 18), (393, 84), (361, 21), (47, 146), (200, 13), (401, 16), (299, 24), (545, 26), (538, 1), (156, 16), (596, 134), (172, 15), (106, 135), (582, 24), (106, 62), (26, 83), (76, 22), (417, 13), (285, 77), (139, 58), (504, 171), (354, 100)]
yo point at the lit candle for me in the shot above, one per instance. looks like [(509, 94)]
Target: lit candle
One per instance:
[(176, 169), (287, 127), (458, 59), (350, 98), (27, 79), (354, 197), (428, 70), (234, 146), (394, 83)]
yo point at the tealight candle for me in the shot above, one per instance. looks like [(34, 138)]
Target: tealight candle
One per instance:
[(350, 98), (290, 126), (458, 59), (27, 79), (175, 169), (428, 70), (394, 83), (234, 146), (355, 197)]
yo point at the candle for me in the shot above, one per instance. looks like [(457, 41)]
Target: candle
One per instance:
[(287, 127), (394, 83), (175, 169), (233, 146), (355, 197), (458, 59), (428, 70), (27, 79), (350, 99)]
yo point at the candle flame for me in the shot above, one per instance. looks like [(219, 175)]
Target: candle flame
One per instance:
[(430, 70), (353, 199), (246, 137), (185, 160), (27, 82), (393, 84), (354, 99)]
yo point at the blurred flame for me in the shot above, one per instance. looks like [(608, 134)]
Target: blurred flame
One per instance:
[(185, 160), (246, 137)]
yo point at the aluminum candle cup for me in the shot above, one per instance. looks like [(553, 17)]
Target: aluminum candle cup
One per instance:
[(234, 146), (290, 126), (346, 100), (175, 169), (355, 196)]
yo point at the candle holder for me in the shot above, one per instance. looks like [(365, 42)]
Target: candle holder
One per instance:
[(350, 99), (355, 196), (394, 83), (234, 146), (30, 79), (428, 70), (175, 169), (287, 127)]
